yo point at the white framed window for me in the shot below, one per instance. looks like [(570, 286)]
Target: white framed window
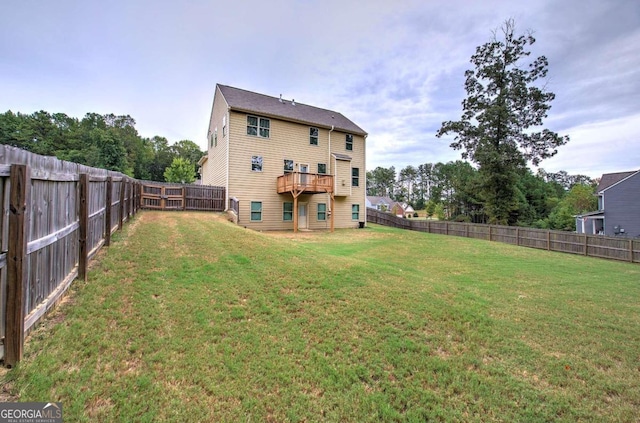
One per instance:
[(224, 125), (287, 211), (256, 211), (313, 136), (256, 163), (322, 211), (322, 168), (288, 166), (349, 142), (355, 177), (355, 212), (258, 126)]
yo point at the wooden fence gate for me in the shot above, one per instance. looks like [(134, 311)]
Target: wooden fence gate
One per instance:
[(159, 196)]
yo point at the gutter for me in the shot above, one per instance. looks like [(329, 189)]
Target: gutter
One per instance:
[(329, 171)]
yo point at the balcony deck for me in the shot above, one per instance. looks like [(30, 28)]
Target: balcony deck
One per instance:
[(305, 183)]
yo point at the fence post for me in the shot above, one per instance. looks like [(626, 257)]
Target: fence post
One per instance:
[(630, 250), (586, 243), (518, 237), (490, 233), (134, 198), (428, 226), (548, 240), (129, 199), (20, 179), (121, 205), (446, 228), (83, 193), (107, 215), (184, 198), (466, 230)]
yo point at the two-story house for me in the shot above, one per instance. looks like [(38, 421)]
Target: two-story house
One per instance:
[(284, 164), (618, 211)]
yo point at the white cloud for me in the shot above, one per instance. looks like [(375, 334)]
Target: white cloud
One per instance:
[(601, 147), (395, 68)]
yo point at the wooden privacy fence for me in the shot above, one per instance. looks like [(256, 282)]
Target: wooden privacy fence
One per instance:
[(56, 216), (160, 196), (624, 249)]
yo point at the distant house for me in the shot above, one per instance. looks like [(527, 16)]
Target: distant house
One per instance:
[(618, 211), (386, 204), (408, 210), (383, 204), (397, 209), (285, 165)]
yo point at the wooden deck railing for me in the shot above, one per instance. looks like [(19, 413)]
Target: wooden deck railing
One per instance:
[(312, 183)]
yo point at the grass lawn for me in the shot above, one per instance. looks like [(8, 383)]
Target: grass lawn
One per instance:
[(187, 317)]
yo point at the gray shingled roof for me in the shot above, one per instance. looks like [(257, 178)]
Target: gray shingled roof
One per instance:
[(609, 179), (250, 102)]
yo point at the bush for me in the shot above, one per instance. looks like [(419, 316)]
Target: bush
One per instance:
[(462, 218)]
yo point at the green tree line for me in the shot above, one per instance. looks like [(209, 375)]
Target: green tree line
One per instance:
[(452, 191), (104, 141)]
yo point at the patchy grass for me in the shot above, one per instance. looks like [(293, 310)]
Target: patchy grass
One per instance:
[(195, 319)]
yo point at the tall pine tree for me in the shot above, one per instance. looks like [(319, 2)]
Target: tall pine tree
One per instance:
[(500, 128)]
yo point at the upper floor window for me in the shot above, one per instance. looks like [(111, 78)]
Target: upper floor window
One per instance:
[(224, 125), (322, 168), (355, 176), (288, 166), (349, 142), (256, 163), (215, 137), (258, 126), (313, 136)]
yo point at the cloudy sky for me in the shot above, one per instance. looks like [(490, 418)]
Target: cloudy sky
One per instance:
[(396, 68)]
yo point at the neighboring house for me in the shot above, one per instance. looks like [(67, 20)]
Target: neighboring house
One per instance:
[(408, 210), (383, 204), (386, 204), (284, 164), (618, 207), (397, 209)]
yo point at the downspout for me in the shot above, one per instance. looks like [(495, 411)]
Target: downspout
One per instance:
[(364, 149), (334, 179), (227, 159)]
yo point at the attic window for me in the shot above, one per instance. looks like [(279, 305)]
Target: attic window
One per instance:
[(258, 126)]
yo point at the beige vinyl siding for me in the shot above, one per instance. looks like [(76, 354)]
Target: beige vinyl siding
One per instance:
[(354, 195), (214, 171), (286, 141)]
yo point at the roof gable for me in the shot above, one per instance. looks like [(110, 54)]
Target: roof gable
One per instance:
[(250, 102), (375, 200), (610, 179)]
